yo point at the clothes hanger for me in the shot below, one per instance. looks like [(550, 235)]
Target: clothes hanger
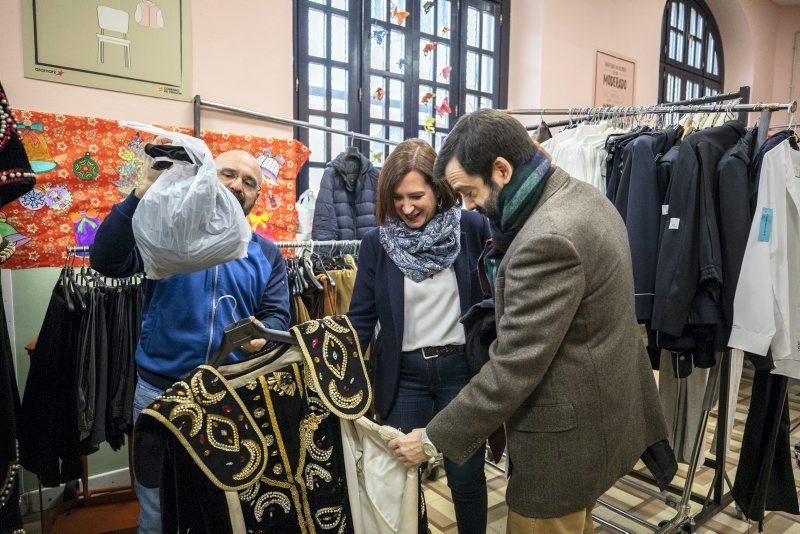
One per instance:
[(237, 334)]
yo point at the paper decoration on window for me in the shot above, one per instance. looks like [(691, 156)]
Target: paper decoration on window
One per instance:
[(428, 5), (430, 125), (427, 98), (376, 156), (430, 47), (85, 168), (379, 34), (399, 16), (446, 72), (401, 63), (443, 108), (378, 95), (445, 30)]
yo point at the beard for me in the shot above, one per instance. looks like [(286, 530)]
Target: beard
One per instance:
[(247, 207), (491, 207)]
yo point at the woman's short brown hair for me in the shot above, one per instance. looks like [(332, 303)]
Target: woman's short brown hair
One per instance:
[(410, 155)]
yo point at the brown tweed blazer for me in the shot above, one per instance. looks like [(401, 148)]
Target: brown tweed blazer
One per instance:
[(568, 373)]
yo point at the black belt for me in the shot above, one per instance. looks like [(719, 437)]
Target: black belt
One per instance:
[(441, 350), (154, 379)]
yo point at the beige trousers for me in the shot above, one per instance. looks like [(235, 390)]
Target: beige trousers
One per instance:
[(579, 522)]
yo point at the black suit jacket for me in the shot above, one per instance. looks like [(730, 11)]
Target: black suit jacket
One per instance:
[(378, 296)]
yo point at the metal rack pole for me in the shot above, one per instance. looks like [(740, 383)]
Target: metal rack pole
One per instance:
[(304, 244), (657, 109), (743, 94), (199, 103)]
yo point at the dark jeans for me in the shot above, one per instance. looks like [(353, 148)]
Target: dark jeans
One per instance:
[(427, 386)]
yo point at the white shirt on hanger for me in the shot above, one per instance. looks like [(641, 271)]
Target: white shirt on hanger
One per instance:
[(766, 308)]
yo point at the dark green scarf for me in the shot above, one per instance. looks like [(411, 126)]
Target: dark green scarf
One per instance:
[(517, 200)]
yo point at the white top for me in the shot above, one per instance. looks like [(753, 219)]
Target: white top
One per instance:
[(431, 312), (766, 309)]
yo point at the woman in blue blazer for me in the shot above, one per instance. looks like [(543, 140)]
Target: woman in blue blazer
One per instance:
[(417, 275)]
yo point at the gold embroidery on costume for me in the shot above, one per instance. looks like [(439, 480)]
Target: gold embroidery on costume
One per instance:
[(271, 498), (282, 383), (195, 413), (314, 470), (333, 325), (328, 518), (334, 354), (201, 393), (222, 427), (342, 401), (250, 493), (255, 459)]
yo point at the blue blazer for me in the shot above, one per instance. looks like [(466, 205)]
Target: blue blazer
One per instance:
[(378, 296)]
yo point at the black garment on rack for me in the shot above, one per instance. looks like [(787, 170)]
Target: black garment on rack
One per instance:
[(49, 440), (638, 200), (345, 207), (123, 310), (735, 188), (686, 308), (764, 478), (80, 386), (10, 516)]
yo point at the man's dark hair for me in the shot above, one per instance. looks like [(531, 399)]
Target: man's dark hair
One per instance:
[(482, 136)]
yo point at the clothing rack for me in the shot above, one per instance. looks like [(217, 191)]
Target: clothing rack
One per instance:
[(743, 94), (313, 244), (199, 104), (87, 496), (717, 499)]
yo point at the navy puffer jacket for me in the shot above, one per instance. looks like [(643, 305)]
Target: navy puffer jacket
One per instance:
[(345, 206)]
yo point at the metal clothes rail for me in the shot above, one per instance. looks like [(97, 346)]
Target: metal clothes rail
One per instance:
[(313, 244), (743, 94), (199, 104)]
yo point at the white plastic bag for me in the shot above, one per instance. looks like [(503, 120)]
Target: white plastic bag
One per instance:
[(305, 214), (187, 220)]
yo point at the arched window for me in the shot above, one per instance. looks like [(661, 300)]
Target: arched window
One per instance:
[(691, 52)]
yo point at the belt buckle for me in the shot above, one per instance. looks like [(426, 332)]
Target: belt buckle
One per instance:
[(426, 357)]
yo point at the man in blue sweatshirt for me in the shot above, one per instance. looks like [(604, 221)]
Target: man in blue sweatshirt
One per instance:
[(184, 315)]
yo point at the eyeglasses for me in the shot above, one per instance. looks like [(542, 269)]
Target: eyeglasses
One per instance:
[(228, 176)]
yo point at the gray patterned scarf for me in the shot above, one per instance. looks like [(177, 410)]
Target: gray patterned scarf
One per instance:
[(423, 253)]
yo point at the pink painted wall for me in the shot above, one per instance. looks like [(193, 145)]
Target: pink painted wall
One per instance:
[(242, 56), (553, 46), (788, 27)]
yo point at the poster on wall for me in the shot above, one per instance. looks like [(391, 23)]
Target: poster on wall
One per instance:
[(614, 81), (131, 46)]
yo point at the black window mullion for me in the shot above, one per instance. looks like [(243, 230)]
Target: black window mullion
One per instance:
[(462, 63), (366, 35), (411, 72)]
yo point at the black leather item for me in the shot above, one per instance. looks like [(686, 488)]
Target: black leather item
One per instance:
[(176, 153)]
